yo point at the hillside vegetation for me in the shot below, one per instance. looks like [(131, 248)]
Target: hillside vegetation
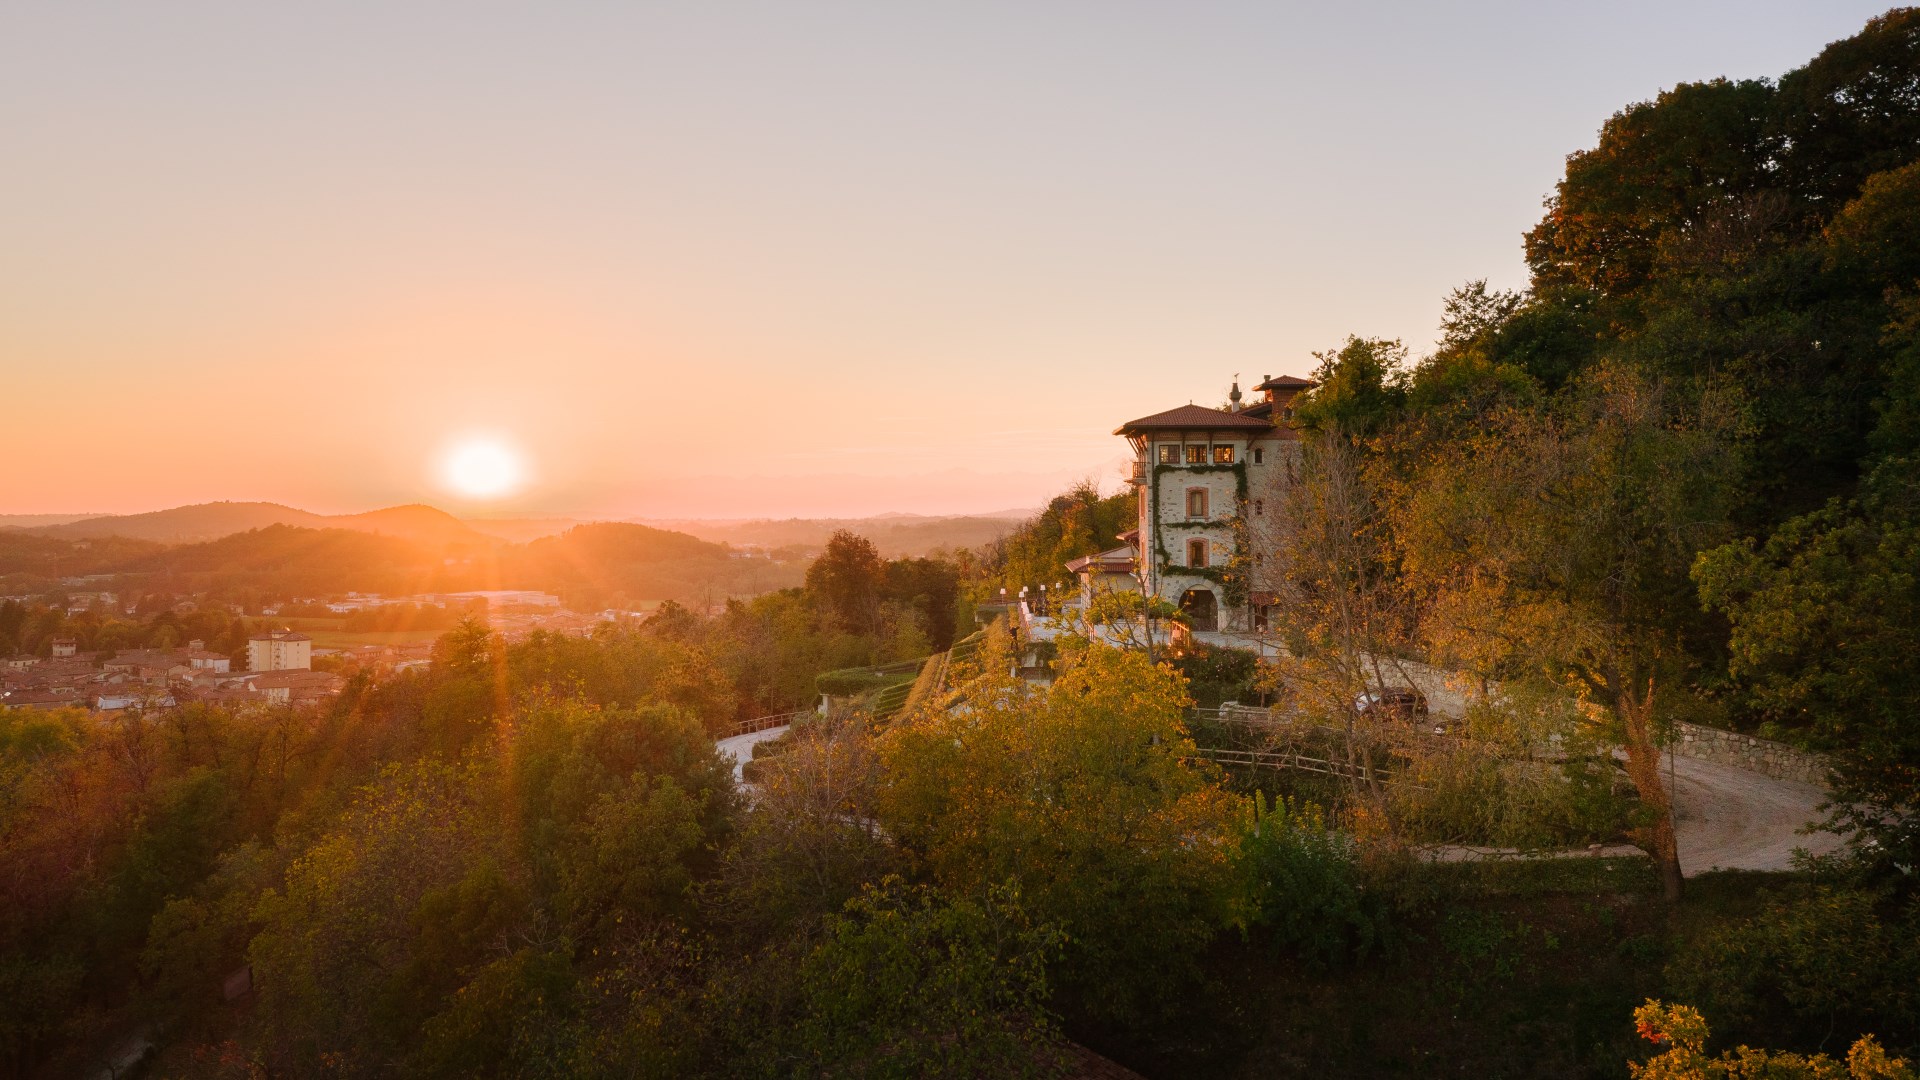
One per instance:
[(895, 535)]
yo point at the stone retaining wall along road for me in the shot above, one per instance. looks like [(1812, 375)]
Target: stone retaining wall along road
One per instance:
[(1763, 756)]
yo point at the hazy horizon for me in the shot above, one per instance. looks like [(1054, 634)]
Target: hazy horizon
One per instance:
[(32, 520), (751, 260)]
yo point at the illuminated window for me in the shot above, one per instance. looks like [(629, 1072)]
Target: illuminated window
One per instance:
[(1196, 553), (1196, 502), (1196, 455), (1169, 454), (1223, 455)]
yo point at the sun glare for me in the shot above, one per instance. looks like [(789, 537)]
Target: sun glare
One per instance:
[(483, 468)]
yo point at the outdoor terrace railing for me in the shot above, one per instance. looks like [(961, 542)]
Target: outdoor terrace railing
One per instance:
[(1288, 759), (764, 723)]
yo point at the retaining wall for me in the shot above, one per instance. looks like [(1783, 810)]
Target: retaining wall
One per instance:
[(1749, 752)]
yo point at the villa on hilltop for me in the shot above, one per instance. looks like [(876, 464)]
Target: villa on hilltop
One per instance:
[(1208, 481)]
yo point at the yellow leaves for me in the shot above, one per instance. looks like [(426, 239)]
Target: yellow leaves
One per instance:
[(1683, 1032)]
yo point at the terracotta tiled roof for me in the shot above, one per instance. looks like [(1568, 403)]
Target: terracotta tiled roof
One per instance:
[(1285, 382), (39, 699), (1193, 418)]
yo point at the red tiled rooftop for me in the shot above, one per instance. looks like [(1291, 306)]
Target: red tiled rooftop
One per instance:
[(1193, 418)]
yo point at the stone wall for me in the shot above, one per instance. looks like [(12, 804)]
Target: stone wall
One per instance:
[(1748, 752)]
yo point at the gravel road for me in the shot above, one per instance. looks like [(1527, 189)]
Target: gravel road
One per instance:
[(1732, 819)]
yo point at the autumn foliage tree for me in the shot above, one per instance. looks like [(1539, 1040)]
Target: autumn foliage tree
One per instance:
[(1082, 797)]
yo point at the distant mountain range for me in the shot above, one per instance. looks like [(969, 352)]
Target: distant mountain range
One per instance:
[(895, 535), (212, 521), (589, 565), (33, 521)]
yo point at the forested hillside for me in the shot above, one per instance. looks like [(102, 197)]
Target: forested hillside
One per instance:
[(1077, 522), (1675, 474)]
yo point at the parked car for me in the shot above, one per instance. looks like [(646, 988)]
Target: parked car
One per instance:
[(1404, 702)]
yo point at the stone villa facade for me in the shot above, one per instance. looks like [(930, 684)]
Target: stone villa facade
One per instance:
[(1210, 482)]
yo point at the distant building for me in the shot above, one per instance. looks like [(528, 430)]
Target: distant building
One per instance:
[(281, 650), (1108, 571), (40, 699), (507, 597), (118, 700), (293, 687), (201, 659), (65, 646)]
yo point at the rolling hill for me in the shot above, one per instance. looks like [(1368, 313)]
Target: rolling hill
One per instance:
[(212, 521), (895, 535), (36, 521), (590, 566), (282, 550)]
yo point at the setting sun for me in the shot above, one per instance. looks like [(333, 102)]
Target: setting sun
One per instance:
[(483, 468)]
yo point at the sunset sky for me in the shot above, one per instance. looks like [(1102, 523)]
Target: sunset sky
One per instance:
[(730, 260)]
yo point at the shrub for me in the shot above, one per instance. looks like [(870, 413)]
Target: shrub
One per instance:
[(1683, 1031), (852, 682), (1300, 883), (911, 983), (1817, 962), (1215, 675)]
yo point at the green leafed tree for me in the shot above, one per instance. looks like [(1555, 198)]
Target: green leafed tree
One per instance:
[(910, 983), (1557, 546), (1084, 798)]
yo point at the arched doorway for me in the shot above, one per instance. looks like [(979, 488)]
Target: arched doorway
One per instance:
[(1201, 609)]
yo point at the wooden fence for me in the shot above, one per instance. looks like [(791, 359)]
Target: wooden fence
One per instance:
[(764, 723)]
